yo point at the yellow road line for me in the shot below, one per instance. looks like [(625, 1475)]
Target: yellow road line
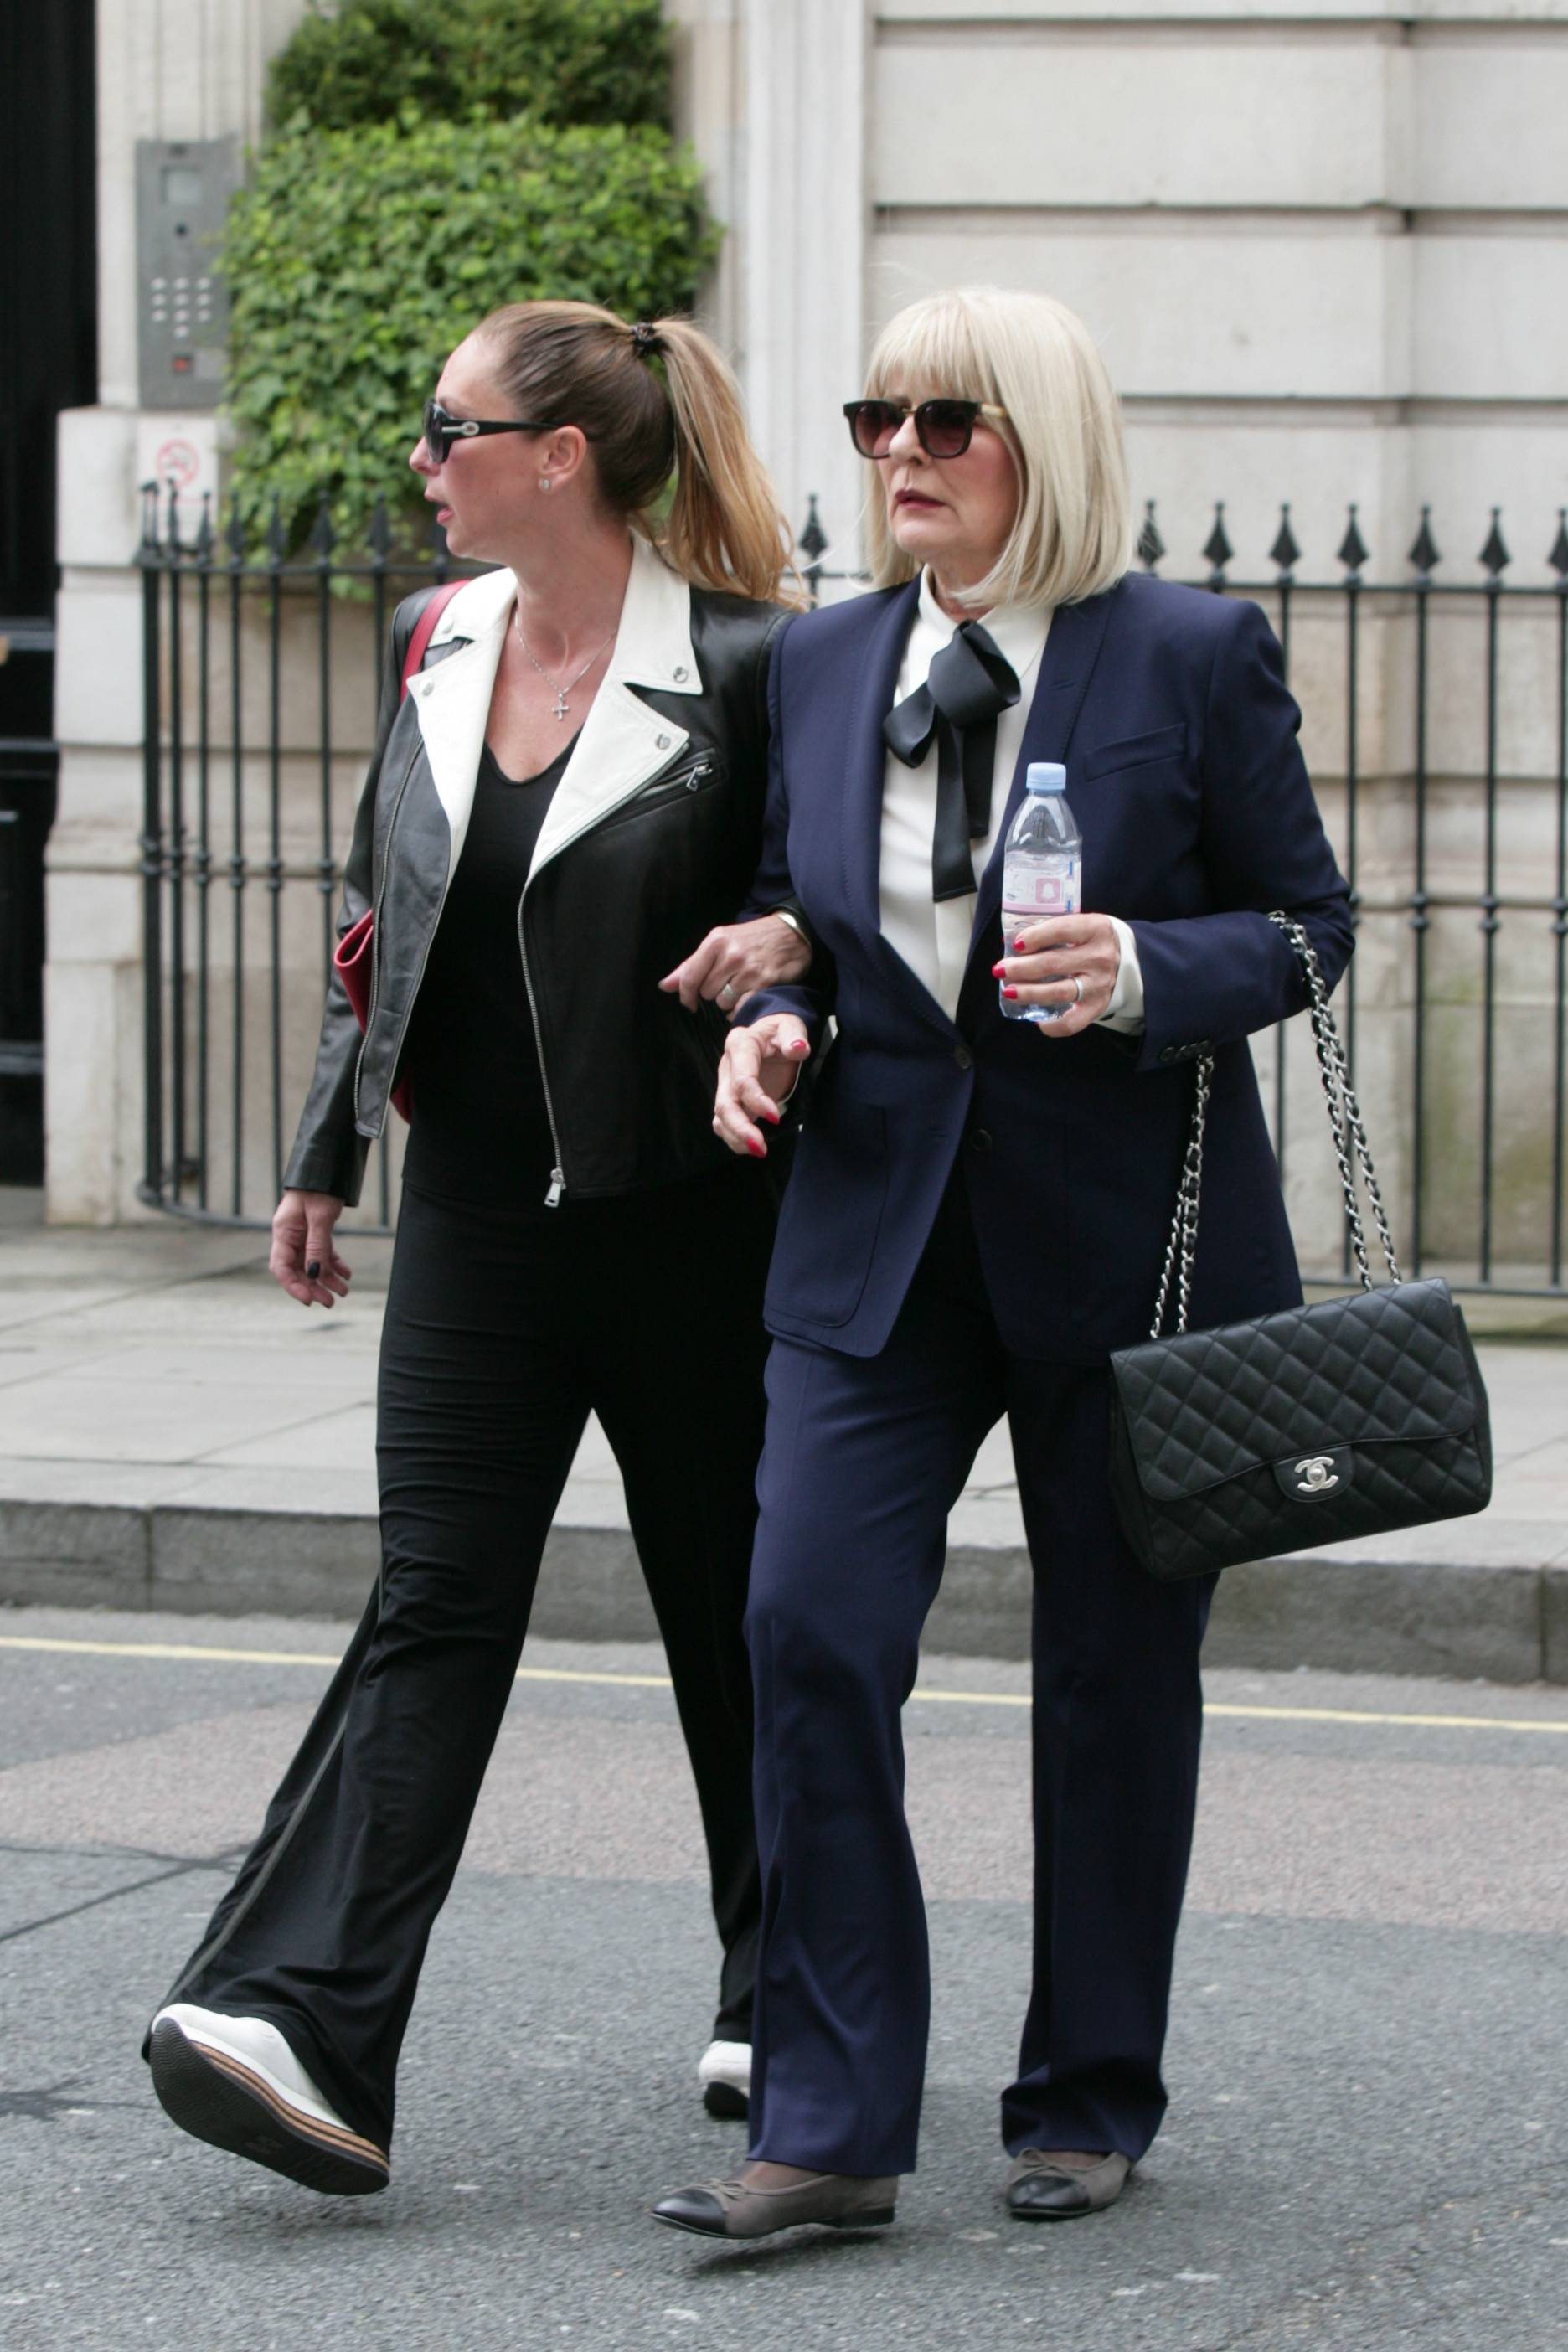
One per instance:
[(175, 1650), (292, 1658)]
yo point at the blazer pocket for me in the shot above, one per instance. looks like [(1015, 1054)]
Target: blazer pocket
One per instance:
[(1137, 751), (831, 1219)]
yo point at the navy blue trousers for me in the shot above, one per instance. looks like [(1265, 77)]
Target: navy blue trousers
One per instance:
[(863, 1460)]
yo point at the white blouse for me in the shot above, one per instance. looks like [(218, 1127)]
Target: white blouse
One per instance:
[(933, 936)]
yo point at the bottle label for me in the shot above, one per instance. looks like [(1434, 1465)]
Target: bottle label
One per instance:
[(1032, 895)]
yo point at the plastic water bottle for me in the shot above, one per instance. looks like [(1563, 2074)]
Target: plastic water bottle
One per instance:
[(1040, 868)]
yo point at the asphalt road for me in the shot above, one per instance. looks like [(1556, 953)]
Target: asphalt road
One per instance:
[(1368, 2060)]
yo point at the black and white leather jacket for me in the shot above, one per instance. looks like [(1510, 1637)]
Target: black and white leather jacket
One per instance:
[(651, 838)]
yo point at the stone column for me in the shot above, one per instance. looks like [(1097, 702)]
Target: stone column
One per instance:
[(803, 230), (166, 70)]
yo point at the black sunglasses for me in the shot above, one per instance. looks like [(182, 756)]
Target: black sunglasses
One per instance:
[(944, 429), (441, 429)]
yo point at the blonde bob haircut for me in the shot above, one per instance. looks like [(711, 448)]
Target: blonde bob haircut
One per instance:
[(1072, 534)]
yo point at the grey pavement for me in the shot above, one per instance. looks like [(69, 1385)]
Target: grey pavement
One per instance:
[(1366, 2143), (175, 1434)]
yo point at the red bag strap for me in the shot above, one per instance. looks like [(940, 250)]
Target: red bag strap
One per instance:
[(424, 629)]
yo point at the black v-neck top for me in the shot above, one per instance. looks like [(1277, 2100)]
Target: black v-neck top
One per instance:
[(480, 1128)]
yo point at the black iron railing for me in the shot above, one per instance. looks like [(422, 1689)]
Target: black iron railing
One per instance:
[(1468, 843)]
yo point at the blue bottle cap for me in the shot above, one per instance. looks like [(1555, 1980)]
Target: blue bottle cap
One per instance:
[(1044, 776)]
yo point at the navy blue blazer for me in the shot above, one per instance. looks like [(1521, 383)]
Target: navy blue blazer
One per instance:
[(1170, 709)]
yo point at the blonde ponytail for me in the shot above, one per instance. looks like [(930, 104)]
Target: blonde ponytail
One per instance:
[(725, 528), (656, 399)]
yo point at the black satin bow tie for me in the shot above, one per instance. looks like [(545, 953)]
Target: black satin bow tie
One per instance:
[(970, 683)]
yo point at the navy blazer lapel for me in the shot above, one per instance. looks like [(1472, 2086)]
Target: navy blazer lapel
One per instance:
[(866, 759), (1067, 665)]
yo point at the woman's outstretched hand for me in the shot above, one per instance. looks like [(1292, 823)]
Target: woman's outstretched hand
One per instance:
[(736, 958), (756, 1078), (303, 1258)]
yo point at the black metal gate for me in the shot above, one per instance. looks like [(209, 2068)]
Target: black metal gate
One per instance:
[(1460, 887)]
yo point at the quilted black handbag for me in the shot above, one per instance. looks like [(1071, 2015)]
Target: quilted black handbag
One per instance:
[(1346, 1418)]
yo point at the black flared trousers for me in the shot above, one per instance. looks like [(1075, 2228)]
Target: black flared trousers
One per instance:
[(504, 1329)]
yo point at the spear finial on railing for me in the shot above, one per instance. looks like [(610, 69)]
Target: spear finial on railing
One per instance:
[(149, 547), (1285, 552), (380, 534), (1150, 546), (1353, 550), (233, 537), (275, 540), (1495, 554), (1424, 553), (204, 541), (1217, 549), (1558, 559)]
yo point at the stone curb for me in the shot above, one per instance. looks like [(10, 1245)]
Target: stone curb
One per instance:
[(1352, 1615)]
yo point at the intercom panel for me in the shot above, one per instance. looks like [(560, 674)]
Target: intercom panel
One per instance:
[(182, 190)]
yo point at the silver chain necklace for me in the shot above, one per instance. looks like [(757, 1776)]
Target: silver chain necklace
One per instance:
[(561, 709)]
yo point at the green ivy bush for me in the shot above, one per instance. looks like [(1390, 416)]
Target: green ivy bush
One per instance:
[(579, 61), (358, 259)]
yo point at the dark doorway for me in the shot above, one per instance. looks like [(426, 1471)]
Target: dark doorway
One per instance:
[(48, 360)]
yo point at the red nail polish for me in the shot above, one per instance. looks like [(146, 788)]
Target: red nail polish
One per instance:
[(998, 971), (1009, 991), (1019, 948), (758, 1149)]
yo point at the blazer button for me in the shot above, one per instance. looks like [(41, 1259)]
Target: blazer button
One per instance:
[(681, 673), (963, 1057), (981, 1139), (661, 742)]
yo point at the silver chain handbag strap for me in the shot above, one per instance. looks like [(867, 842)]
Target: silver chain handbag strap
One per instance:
[(1344, 1121)]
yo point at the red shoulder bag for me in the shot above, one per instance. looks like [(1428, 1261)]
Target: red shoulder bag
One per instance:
[(354, 957)]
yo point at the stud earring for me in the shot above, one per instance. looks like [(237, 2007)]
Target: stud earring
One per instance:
[(545, 482)]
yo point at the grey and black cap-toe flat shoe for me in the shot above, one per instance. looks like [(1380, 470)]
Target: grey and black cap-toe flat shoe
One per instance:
[(1039, 2188), (728, 2209)]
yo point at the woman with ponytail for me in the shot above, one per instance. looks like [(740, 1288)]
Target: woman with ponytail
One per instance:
[(561, 816)]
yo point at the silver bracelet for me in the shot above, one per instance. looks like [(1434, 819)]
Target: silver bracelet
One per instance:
[(793, 920)]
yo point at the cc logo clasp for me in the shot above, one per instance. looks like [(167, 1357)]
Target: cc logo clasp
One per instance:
[(1316, 1474)]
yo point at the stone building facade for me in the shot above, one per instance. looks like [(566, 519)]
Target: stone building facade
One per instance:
[(1323, 249)]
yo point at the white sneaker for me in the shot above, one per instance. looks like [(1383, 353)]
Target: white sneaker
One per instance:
[(235, 2082), (724, 2072)]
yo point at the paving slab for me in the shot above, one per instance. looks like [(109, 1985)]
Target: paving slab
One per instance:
[(175, 1434)]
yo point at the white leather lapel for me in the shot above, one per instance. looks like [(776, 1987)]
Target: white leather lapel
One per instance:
[(452, 699), (622, 743)]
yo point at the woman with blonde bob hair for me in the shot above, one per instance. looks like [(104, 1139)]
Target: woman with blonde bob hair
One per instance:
[(977, 1217), (563, 813)]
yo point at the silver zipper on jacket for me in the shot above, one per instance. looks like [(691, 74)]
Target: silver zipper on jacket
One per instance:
[(705, 767), (558, 1173)]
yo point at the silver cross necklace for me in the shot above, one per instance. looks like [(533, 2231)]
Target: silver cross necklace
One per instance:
[(561, 707)]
